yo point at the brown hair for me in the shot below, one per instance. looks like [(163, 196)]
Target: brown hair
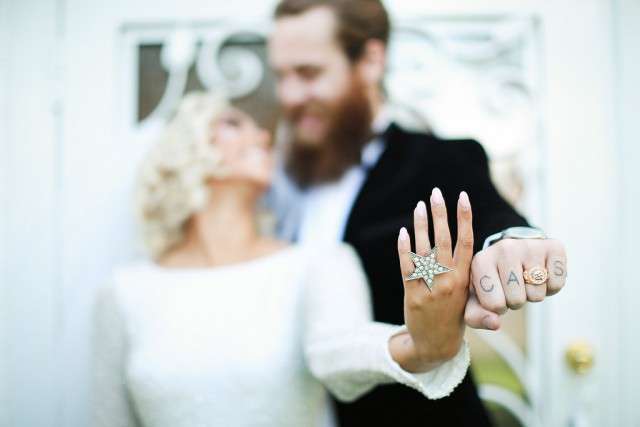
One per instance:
[(358, 21)]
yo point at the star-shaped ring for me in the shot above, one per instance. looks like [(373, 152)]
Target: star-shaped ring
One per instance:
[(427, 267)]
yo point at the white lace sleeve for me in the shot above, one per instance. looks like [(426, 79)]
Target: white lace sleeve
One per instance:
[(345, 349), (110, 402)]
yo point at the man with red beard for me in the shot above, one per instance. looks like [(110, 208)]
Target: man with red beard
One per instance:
[(353, 175)]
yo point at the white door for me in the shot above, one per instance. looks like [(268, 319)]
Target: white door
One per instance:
[(540, 76)]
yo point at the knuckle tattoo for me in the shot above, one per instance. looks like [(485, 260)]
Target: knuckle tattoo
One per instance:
[(486, 284), (559, 268), (513, 279)]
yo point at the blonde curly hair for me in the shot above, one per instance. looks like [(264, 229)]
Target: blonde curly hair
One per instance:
[(172, 181)]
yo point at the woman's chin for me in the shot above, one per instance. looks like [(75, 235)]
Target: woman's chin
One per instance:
[(260, 183), (262, 179), (264, 184)]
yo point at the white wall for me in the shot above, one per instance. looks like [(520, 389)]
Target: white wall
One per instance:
[(30, 280)]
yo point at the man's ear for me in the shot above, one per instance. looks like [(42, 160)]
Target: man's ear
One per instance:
[(372, 63)]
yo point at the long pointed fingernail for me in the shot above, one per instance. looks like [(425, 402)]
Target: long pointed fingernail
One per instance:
[(403, 234), (464, 200), (436, 196), (421, 209)]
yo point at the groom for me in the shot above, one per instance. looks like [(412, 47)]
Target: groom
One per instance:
[(353, 175)]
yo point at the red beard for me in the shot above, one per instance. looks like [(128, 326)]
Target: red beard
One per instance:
[(348, 131)]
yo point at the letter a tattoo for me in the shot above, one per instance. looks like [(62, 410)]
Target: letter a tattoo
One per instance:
[(513, 279)]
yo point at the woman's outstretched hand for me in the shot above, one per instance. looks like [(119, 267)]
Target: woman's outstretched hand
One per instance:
[(434, 317)]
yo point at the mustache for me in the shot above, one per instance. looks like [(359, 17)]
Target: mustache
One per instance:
[(295, 114)]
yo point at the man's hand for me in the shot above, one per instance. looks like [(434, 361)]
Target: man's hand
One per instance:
[(434, 318), (497, 282)]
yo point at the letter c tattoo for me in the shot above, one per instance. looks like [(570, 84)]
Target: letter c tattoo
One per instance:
[(487, 287)]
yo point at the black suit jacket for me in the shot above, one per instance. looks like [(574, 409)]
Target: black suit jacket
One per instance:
[(411, 165)]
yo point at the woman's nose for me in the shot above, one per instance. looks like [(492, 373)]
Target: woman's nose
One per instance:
[(264, 137)]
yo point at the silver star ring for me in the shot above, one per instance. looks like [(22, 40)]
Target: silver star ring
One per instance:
[(426, 267)]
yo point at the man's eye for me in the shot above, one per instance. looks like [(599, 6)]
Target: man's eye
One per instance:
[(309, 73), (231, 122)]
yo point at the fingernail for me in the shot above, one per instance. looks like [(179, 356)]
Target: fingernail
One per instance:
[(403, 234), (488, 322), (464, 200), (436, 196), (421, 209)]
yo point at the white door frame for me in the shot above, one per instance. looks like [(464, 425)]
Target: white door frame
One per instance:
[(4, 164), (624, 372)]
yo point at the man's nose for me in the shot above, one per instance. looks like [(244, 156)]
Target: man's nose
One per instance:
[(292, 93)]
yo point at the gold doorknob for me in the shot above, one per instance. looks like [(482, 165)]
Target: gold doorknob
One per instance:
[(579, 356)]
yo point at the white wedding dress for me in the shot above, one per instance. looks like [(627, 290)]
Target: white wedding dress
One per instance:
[(249, 344)]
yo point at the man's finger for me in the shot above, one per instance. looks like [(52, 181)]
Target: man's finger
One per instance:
[(535, 257), (442, 235), (476, 316), (486, 282), (464, 245), (556, 266), (510, 270), (421, 226)]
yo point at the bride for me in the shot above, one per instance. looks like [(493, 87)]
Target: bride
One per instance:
[(227, 327)]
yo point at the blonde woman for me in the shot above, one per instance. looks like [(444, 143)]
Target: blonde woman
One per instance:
[(226, 327)]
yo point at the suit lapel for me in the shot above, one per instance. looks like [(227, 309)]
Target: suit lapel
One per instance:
[(395, 171)]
